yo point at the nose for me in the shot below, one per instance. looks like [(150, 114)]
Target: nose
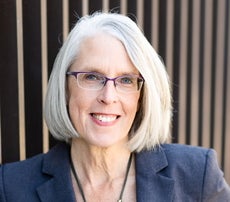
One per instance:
[(108, 93)]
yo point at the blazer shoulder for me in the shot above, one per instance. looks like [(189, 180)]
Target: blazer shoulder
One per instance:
[(184, 150), (198, 169), (16, 179), (19, 181), (194, 171), (33, 164), (22, 171), (22, 165), (176, 158), (188, 158)]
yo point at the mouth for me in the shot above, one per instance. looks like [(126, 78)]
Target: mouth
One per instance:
[(105, 118)]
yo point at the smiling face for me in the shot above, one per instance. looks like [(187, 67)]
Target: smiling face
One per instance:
[(102, 117)]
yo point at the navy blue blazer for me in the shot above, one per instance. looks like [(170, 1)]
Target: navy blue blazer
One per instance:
[(170, 173)]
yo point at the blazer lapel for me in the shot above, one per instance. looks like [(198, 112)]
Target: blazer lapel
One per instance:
[(58, 186), (151, 184)]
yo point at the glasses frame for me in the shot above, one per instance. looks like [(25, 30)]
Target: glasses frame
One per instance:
[(140, 80)]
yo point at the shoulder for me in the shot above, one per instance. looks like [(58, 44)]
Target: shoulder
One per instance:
[(188, 160), (199, 168), (33, 165), (19, 177), (35, 161), (179, 149), (186, 153), (176, 154), (194, 170), (23, 167), (176, 158), (25, 176)]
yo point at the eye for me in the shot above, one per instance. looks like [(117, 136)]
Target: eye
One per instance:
[(92, 77), (126, 80)]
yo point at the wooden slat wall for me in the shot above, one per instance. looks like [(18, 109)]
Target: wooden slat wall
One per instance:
[(192, 37)]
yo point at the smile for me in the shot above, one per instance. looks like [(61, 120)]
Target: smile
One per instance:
[(105, 118)]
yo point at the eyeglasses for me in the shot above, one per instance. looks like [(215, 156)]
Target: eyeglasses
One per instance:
[(96, 81)]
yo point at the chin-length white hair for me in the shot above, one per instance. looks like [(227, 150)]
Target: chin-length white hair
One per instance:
[(152, 122)]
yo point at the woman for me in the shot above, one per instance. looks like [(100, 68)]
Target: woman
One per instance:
[(109, 100)]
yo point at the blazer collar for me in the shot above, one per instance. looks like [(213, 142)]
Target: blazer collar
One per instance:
[(56, 169), (151, 184)]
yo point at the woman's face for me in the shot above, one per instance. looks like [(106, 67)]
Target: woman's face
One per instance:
[(102, 117)]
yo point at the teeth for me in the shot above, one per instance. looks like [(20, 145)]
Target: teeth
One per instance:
[(105, 118)]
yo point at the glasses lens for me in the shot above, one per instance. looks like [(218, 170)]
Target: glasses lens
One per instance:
[(91, 81), (96, 81), (129, 83)]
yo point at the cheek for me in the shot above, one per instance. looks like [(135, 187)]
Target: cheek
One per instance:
[(74, 109), (75, 98), (78, 110), (76, 105), (79, 104), (132, 105)]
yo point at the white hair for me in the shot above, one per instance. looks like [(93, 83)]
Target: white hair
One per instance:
[(152, 122)]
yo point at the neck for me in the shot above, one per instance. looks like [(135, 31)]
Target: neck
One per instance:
[(98, 165)]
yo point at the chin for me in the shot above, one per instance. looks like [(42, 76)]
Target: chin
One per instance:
[(106, 143)]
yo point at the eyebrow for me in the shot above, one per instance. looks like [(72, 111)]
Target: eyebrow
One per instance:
[(98, 70)]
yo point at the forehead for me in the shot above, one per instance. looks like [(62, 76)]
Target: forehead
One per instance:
[(103, 52)]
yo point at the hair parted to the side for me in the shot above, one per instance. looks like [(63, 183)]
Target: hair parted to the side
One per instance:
[(152, 122)]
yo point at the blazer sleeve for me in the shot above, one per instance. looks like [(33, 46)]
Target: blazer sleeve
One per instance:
[(215, 188)]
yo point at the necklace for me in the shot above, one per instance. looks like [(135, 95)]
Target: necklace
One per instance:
[(80, 186)]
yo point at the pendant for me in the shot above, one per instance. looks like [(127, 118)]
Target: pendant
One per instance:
[(119, 200)]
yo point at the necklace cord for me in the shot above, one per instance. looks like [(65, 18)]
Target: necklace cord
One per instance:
[(80, 186), (77, 179), (126, 176)]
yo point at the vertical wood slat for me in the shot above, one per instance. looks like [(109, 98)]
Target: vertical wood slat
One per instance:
[(140, 14), (85, 7), (124, 7), (65, 11), (169, 39), (206, 105), (44, 55), (21, 101), (183, 72), (195, 73), (227, 118), (154, 25), (169, 43), (219, 73), (105, 5)]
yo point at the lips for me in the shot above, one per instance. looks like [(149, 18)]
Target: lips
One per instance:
[(105, 118)]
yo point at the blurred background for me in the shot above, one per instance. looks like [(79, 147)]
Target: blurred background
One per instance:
[(191, 36)]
